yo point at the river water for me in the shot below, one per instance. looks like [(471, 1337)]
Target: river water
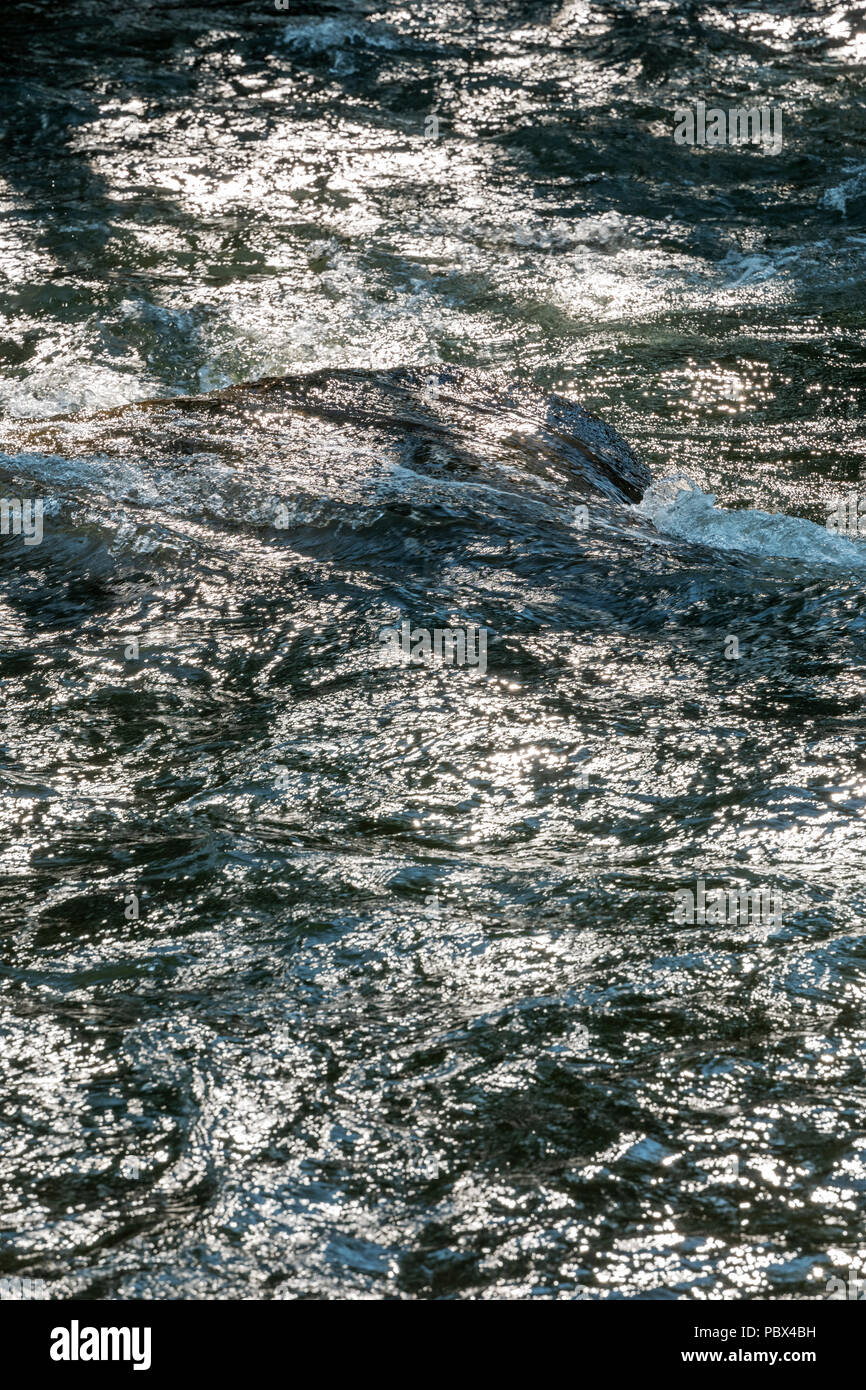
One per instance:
[(325, 976)]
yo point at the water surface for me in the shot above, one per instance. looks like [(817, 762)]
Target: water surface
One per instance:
[(404, 1012)]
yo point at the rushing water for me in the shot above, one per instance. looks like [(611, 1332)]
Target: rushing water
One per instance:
[(330, 976)]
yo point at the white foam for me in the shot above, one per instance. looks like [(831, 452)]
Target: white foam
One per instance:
[(59, 388), (835, 199), (678, 507), (323, 35)]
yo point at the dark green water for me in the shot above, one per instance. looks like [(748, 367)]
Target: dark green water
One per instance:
[(326, 978)]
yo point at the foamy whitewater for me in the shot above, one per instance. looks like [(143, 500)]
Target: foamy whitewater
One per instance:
[(678, 507)]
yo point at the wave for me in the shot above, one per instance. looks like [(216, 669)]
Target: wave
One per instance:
[(678, 507), (351, 439)]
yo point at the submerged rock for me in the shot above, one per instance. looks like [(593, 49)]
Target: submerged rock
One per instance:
[(339, 431)]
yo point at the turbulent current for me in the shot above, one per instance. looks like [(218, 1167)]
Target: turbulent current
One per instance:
[(330, 973)]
